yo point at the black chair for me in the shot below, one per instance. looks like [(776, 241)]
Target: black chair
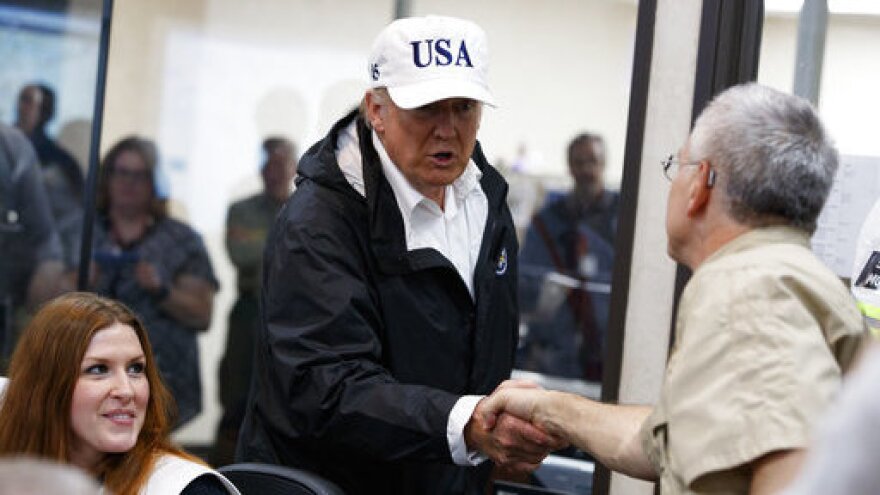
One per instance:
[(266, 479)]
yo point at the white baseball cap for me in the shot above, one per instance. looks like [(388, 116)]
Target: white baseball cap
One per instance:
[(421, 60)]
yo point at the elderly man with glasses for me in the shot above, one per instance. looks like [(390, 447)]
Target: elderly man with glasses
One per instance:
[(764, 330)]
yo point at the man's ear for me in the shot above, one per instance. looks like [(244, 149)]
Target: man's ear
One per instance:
[(374, 106), (700, 189)]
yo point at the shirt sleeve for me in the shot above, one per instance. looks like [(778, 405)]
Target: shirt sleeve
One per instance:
[(32, 201), (458, 418), (245, 237), (751, 374), (652, 435), (198, 263)]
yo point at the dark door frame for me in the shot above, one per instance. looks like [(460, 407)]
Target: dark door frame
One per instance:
[(89, 195)]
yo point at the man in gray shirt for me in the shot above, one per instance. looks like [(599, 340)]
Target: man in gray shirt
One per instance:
[(30, 248)]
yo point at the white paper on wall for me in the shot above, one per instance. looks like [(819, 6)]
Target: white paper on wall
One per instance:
[(856, 187)]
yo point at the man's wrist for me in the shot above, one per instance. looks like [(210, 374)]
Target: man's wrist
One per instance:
[(458, 432), (553, 422)]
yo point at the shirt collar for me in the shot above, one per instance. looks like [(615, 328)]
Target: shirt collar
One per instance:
[(408, 198), (468, 180), (759, 236)]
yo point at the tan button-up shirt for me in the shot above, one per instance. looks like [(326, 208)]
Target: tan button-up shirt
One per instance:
[(763, 335)]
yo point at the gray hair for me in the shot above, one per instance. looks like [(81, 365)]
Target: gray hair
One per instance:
[(772, 155), (380, 93)]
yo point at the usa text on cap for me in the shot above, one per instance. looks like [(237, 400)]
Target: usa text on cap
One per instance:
[(421, 60)]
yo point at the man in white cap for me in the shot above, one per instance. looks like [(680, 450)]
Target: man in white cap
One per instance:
[(389, 286)]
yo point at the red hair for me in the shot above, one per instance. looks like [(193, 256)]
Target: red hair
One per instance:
[(35, 410)]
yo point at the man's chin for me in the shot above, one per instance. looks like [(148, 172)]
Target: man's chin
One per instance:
[(446, 175)]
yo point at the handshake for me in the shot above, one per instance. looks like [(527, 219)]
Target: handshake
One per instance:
[(509, 427)]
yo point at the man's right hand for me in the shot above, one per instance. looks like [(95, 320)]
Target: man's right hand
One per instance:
[(610, 432), (519, 402), (511, 442)]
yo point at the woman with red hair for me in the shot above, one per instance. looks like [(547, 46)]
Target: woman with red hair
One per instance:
[(84, 389)]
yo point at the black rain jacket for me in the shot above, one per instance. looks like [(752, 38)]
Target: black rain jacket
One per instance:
[(365, 347)]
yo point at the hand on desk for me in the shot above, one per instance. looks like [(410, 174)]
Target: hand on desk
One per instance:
[(510, 441)]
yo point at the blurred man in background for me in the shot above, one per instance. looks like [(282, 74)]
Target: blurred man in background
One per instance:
[(62, 175), (247, 226), (30, 248), (566, 265)]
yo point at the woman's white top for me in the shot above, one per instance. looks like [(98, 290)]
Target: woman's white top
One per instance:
[(171, 474)]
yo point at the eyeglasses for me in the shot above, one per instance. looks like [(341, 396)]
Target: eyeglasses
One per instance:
[(671, 164)]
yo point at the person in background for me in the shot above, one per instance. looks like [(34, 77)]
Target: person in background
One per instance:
[(764, 330), (31, 266), (843, 456), (156, 265), (28, 476), (566, 264), (62, 175), (590, 201), (389, 290), (84, 390), (247, 226)]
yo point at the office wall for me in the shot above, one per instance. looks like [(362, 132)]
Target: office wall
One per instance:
[(848, 99)]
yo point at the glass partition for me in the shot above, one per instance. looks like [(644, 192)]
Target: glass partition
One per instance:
[(47, 86), (209, 80), (204, 96), (207, 83)]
